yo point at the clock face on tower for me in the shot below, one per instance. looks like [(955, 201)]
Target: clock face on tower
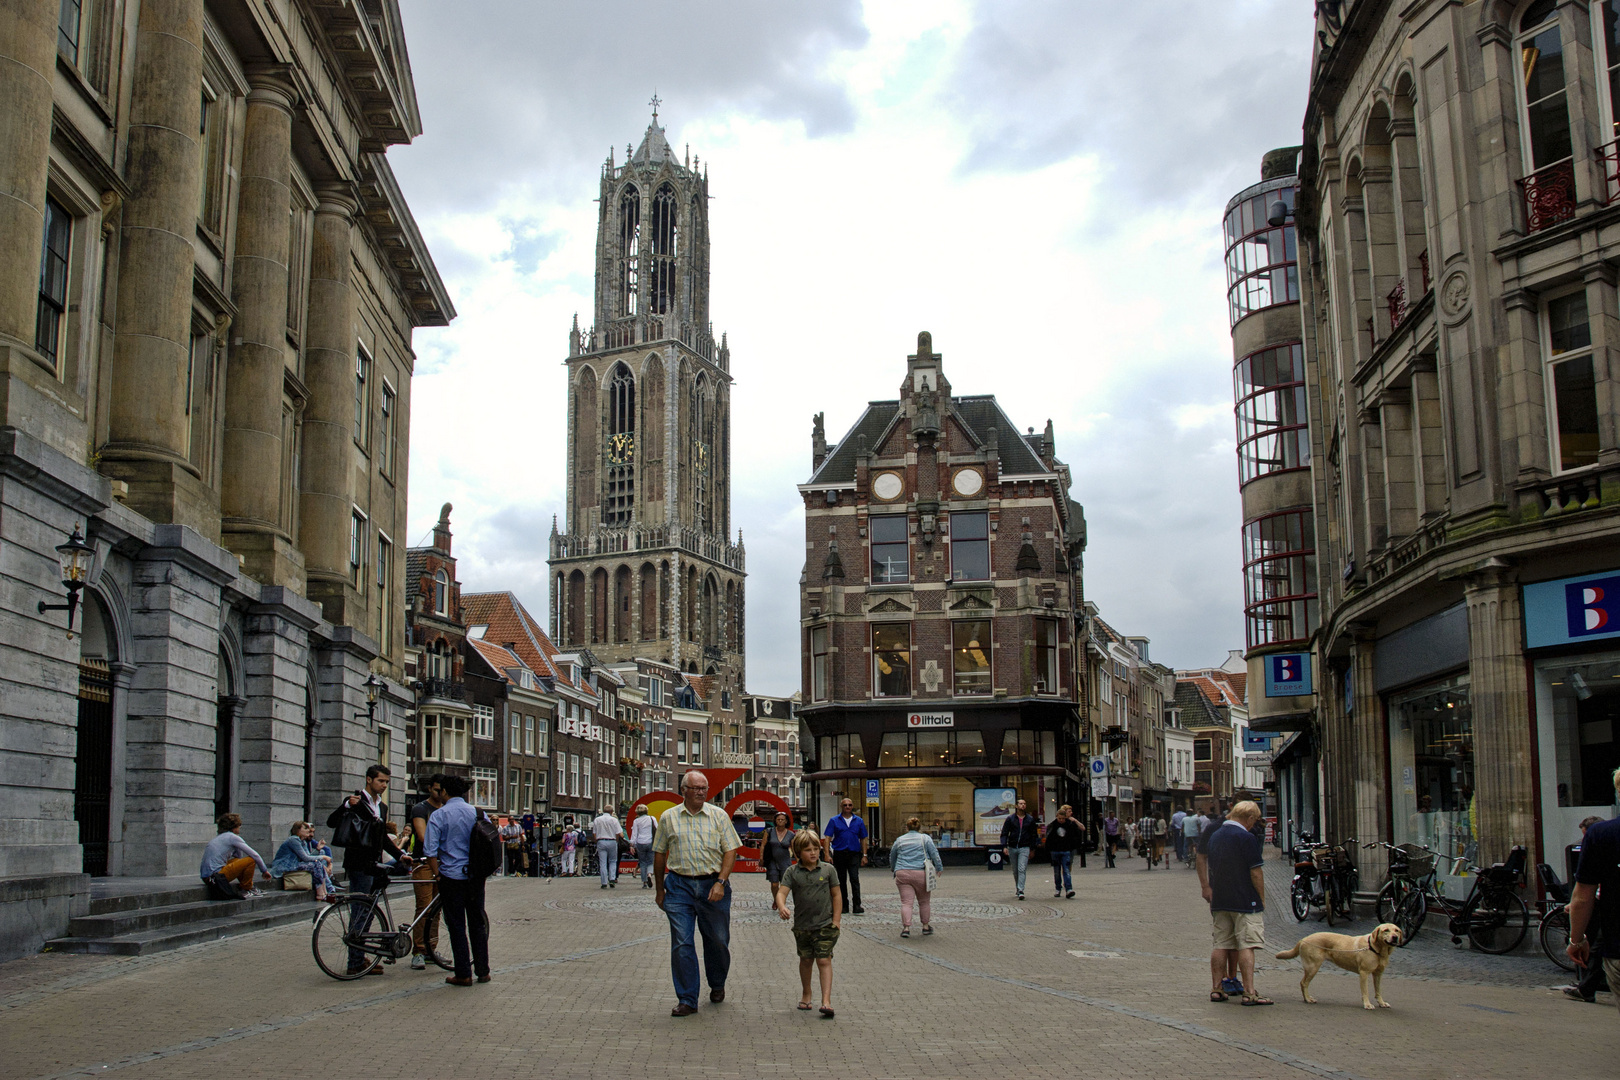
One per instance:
[(621, 449)]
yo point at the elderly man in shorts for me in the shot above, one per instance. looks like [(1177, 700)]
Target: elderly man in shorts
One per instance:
[(1235, 889)]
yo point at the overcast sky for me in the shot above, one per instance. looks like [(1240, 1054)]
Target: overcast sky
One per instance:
[(1039, 184)]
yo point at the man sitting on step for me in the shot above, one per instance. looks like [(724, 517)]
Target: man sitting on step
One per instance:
[(228, 854)]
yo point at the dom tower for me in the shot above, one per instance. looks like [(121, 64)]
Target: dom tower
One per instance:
[(646, 567)]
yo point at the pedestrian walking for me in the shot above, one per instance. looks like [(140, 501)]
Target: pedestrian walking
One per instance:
[(1110, 838), (1157, 831), (1020, 834), (361, 858), (1064, 837), (693, 854), (1232, 877), (570, 841), (916, 864), (425, 936), (608, 832), (777, 853), (817, 912), (1590, 980), (230, 857), (1188, 836), (845, 841), (1176, 835), (448, 850), (641, 839), (1595, 902)]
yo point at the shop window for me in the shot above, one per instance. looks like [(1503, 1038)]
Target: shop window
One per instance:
[(1046, 656), (897, 751), (890, 552), (818, 663), (1572, 388), (891, 659), (943, 804), (1431, 752), (970, 547), (1272, 436), (1578, 699), (1279, 578), (842, 752), (50, 322), (970, 657), (1028, 748)]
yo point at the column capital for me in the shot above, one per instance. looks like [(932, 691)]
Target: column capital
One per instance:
[(122, 673), (272, 84), (338, 199)]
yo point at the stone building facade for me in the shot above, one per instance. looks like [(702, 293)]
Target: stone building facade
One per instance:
[(1459, 319), (646, 566), (207, 299), (937, 606)]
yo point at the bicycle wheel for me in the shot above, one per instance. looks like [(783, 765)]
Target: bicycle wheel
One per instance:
[(1498, 922), (1409, 915), (1555, 937), (330, 939), (1330, 903), (1300, 900), (1388, 902)]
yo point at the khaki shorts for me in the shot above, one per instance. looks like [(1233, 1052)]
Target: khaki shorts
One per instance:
[(1239, 930), (1611, 971), (816, 944)]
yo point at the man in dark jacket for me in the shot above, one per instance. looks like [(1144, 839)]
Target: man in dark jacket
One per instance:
[(360, 863), (1020, 835)]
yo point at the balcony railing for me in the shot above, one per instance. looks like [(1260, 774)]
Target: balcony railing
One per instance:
[(609, 541), (644, 329), (1406, 551), (1549, 196), (1397, 304), (443, 689)]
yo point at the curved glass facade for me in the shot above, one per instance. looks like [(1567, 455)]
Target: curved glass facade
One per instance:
[(1279, 578), (1260, 258), (1269, 387)]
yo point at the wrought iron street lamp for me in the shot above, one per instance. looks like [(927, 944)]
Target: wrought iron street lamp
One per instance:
[(374, 687), (75, 559)]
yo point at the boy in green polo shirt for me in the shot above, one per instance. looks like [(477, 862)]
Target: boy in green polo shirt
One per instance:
[(817, 908)]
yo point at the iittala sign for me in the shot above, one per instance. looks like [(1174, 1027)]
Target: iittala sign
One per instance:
[(931, 719)]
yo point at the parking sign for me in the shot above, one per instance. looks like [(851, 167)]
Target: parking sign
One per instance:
[(872, 792)]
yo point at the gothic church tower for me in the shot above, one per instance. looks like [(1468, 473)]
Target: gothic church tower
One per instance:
[(646, 566)]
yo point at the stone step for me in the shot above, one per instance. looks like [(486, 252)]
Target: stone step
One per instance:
[(107, 905), (158, 916), (144, 942)]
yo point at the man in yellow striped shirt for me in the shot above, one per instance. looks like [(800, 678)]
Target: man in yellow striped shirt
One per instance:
[(693, 853)]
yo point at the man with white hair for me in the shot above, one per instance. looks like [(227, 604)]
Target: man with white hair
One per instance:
[(1232, 875), (693, 853), (1597, 897)]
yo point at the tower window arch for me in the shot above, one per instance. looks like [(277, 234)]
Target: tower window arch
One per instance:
[(1547, 143), (621, 447), (666, 248), (702, 455), (629, 250)]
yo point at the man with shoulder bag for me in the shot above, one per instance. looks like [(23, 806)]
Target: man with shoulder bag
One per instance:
[(463, 849), (357, 827)]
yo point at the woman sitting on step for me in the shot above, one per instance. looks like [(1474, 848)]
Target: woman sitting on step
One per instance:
[(299, 852)]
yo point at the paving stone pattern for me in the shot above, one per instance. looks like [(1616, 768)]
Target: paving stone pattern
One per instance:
[(1110, 984)]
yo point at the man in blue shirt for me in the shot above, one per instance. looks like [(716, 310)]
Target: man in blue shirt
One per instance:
[(845, 839), (1595, 903), (1232, 876), (449, 844)]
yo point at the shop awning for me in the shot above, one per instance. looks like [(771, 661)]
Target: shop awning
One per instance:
[(1294, 721)]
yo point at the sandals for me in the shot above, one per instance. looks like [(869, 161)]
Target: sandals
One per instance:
[(826, 1013), (1217, 995), (804, 1006), (1256, 999), (905, 933)]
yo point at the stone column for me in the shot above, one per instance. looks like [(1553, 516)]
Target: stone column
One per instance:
[(122, 676), (147, 429), (1504, 784), (1367, 764), (250, 491), (328, 451), (27, 69)]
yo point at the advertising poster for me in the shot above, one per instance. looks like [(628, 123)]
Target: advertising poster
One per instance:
[(991, 807)]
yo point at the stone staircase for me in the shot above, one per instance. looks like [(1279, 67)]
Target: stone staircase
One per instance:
[(169, 913)]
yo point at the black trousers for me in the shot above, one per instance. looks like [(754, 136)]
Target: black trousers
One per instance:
[(848, 865), (465, 919)]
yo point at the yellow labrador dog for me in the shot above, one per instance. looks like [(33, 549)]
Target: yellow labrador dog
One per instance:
[(1367, 955)]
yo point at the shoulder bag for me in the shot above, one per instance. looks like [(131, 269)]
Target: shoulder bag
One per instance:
[(357, 830)]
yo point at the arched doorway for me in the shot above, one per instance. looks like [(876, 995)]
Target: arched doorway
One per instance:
[(93, 756), (226, 739)]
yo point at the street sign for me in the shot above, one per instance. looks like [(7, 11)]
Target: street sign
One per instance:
[(1099, 766), (872, 788), (1099, 786)]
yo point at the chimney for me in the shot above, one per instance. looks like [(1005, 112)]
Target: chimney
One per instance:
[(441, 531)]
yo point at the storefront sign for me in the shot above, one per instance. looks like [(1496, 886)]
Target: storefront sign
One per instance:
[(1123, 793), (1572, 609), (991, 806), (1288, 674), (872, 788), (931, 720)]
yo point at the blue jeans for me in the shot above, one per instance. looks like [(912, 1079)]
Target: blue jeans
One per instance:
[(1020, 865), (644, 862), (360, 914), (607, 860), (1061, 862), (686, 904), (1181, 845)]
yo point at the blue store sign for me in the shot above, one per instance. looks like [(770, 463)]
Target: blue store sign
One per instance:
[(1288, 674), (1575, 609)]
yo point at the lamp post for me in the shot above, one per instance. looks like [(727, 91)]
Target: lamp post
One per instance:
[(74, 557), (374, 687)]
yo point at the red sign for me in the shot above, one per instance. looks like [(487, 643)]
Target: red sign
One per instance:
[(656, 802)]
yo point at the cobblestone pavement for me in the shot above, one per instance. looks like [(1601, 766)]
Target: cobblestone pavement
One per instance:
[(1110, 984)]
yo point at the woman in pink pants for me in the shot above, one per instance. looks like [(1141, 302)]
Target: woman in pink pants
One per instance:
[(915, 860)]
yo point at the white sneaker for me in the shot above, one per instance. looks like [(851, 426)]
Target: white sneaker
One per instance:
[(418, 962)]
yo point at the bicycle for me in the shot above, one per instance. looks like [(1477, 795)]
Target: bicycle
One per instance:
[(1403, 900), (381, 940), (1493, 917), (1554, 927), (1318, 882)]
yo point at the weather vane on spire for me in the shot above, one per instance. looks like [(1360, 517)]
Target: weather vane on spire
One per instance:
[(655, 102)]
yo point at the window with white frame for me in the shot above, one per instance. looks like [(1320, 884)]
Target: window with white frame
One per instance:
[(387, 438), (1572, 408), (514, 726), (50, 321), (528, 734), (818, 663), (385, 575), (484, 787), (483, 722), (362, 395), (511, 788), (357, 548), (540, 786), (573, 775), (542, 731)]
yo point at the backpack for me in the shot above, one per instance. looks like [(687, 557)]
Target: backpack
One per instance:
[(221, 887), (484, 848)]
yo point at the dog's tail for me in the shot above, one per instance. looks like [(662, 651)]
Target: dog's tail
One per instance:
[(1290, 954)]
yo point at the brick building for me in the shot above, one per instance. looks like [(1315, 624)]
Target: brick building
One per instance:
[(439, 727), (773, 735), (937, 604)]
